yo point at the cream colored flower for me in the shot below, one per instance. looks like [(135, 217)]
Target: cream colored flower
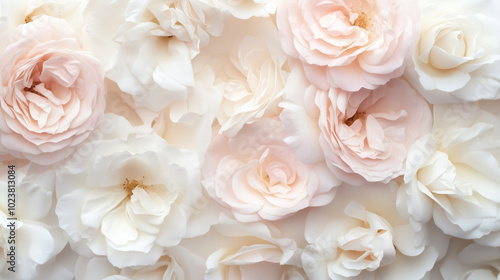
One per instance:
[(457, 57), (129, 196), (147, 46), (360, 235), (250, 72), (453, 175)]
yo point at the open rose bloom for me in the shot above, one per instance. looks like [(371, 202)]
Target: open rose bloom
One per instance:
[(362, 136), (52, 92), (349, 44), (250, 139), (457, 55)]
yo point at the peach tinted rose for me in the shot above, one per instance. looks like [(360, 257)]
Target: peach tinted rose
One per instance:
[(349, 44), (368, 133), (52, 93), (256, 176)]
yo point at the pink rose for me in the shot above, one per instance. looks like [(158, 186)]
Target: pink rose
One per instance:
[(52, 94), (362, 136), (349, 44), (369, 132), (256, 176)]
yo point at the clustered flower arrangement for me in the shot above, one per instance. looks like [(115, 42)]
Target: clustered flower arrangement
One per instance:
[(250, 139)]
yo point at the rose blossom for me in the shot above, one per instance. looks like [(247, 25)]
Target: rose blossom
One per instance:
[(127, 195), (349, 44), (27, 222), (24, 11), (52, 93), (256, 176), (250, 251), (452, 176), (147, 46), (250, 70), (470, 261), (361, 236), (245, 9), (188, 123), (458, 55), (362, 135), (177, 264)]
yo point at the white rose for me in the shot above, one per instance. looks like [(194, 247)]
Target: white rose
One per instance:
[(245, 9), (147, 46), (252, 77), (127, 195), (471, 261), (188, 123), (177, 264), (26, 223), (361, 236), (24, 11), (458, 54), (250, 251), (453, 175)]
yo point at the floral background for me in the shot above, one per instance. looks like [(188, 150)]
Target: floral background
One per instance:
[(250, 139)]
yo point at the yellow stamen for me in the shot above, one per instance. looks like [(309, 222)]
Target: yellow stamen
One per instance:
[(362, 21), (129, 186)]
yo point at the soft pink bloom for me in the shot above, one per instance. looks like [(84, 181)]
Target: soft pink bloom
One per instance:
[(362, 136), (369, 132), (51, 94), (256, 176), (349, 44)]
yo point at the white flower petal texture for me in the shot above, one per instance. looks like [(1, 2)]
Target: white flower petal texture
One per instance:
[(128, 198)]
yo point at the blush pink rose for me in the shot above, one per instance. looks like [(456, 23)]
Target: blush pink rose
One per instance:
[(367, 133), (52, 94), (256, 176), (349, 44)]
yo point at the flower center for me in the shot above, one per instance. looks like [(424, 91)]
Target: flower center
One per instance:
[(129, 186), (33, 90), (363, 21), (358, 115), (28, 19)]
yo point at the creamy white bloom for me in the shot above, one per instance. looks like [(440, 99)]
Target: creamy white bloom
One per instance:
[(254, 251), (128, 195), (23, 11), (470, 261), (147, 46), (458, 55), (245, 9), (453, 175), (177, 264), (250, 69), (188, 123), (31, 227), (361, 236)]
